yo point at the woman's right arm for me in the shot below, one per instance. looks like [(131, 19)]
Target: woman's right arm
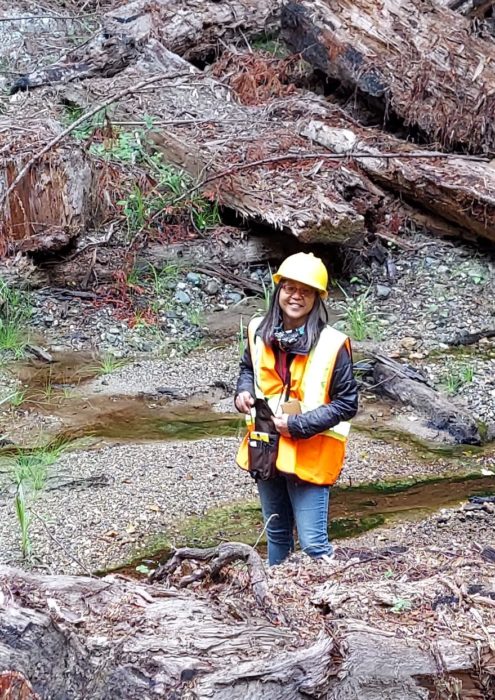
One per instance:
[(245, 384)]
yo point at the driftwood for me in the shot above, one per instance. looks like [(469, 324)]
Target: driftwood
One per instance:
[(81, 637), (189, 28), (394, 380), (412, 58)]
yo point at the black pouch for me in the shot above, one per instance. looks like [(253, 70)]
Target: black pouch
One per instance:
[(263, 443)]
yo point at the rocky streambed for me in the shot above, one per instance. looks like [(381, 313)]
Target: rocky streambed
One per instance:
[(131, 428)]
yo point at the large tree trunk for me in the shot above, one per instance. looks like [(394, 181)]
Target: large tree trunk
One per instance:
[(189, 28), (414, 59), (458, 190), (242, 158), (77, 638)]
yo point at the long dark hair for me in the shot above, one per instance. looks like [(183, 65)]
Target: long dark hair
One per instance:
[(318, 317)]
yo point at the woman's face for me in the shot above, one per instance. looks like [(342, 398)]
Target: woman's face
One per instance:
[(296, 301)]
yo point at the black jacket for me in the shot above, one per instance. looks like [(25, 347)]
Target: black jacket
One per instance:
[(343, 395)]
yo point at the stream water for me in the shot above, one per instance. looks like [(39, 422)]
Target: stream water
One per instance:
[(107, 418)]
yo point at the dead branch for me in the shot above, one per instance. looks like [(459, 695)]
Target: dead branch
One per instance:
[(218, 558)]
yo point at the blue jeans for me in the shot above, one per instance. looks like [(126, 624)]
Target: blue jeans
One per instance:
[(300, 502)]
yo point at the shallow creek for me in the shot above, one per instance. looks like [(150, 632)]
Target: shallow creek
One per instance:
[(58, 390)]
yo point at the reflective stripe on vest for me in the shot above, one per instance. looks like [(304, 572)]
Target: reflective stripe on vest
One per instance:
[(318, 459), (316, 379)]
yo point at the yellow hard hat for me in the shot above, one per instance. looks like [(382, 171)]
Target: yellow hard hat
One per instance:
[(304, 268)]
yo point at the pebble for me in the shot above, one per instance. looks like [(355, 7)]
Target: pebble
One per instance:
[(382, 291), (212, 287), (182, 297)]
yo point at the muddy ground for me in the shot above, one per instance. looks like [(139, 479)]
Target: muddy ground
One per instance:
[(146, 440)]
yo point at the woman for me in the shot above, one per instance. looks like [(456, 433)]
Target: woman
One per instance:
[(303, 368)]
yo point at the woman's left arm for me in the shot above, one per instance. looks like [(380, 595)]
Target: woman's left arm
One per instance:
[(343, 406)]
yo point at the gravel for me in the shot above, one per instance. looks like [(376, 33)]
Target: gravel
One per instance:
[(150, 486)]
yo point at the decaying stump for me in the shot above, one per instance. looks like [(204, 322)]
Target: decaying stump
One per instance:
[(412, 58), (54, 202)]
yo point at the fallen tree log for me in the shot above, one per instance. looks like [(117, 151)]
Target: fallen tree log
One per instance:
[(189, 28), (460, 191), (413, 59), (392, 379), (81, 637), (243, 160)]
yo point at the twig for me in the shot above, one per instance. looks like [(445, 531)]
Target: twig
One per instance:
[(57, 17), (64, 549), (273, 515), (114, 98)]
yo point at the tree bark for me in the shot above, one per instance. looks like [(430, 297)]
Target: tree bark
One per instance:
[(392, 379), (458, 190), (245, 160), (53, 203), (79, 637), (410, 57), (191, 28)]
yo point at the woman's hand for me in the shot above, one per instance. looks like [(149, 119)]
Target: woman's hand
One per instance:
[(281, 424), (244, 401)]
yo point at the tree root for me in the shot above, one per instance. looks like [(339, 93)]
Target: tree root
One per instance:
[(218, 558)]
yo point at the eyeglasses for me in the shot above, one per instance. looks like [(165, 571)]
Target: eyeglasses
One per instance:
[(291, 289)]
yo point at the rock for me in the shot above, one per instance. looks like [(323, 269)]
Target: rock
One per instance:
[(408, 342), (113, 330), (382, 291), (233, 297), (182, 297), (212, 287), (48, 320), (193, 278)]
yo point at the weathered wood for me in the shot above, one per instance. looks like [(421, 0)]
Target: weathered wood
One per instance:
[(414, 59), (391, 379), (53, 203), (217, 558), (229, 249), (458, 190), (288, 187), (469, 8), (78, 638), (191, 28)]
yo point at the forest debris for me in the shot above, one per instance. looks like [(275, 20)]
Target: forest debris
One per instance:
[(424, 610), (256, 78), (188, 28), (415, 59)]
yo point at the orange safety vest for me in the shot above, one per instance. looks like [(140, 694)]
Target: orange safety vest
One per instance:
[(318, 459)]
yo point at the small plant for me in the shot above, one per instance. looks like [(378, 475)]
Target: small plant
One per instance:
[(23, 519), (204, 214), (358, 320), (15, 310), (401, 605), (457, 378), (109, 363), (163, 280), (17, 398)]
